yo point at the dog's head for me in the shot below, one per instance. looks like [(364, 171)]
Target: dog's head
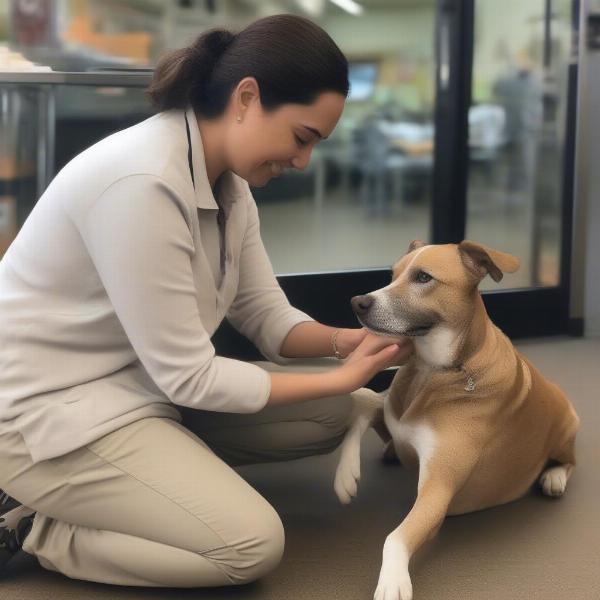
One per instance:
[(432, 285)]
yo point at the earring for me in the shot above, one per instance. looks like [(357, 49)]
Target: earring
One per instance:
[(238, 119)]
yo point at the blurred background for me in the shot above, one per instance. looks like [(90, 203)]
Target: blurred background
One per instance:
[(371, 187)]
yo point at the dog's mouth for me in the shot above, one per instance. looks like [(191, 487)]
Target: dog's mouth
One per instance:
[(416, 331)]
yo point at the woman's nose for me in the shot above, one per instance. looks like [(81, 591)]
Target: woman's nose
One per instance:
[(301, 161)]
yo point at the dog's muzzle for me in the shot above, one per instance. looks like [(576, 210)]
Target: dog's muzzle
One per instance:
[(384, 322)]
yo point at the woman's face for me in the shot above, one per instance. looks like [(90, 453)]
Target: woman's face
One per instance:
[(263, 144)]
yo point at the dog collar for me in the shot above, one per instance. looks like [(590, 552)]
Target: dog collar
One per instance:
[(470, 384)]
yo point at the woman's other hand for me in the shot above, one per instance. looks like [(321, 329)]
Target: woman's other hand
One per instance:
[(373, 354)]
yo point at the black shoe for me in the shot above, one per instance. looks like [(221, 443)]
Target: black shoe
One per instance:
[(7, 503), (14, 527)]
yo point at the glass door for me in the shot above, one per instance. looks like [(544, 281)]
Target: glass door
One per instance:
[(505, 125), (517, 133)]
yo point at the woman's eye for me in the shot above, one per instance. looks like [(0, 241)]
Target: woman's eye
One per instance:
[(423, 277), (300, 141)]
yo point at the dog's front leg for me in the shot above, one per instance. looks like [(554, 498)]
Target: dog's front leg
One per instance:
[(421, 523), (440, 476), (368, 408)]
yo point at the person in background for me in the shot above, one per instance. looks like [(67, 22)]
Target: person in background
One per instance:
[(519, 92), (119, 425)]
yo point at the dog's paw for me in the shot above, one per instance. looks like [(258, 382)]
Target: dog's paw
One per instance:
[(394, 580), (394, 585), (368, 398), (554, 481), (347, 475)]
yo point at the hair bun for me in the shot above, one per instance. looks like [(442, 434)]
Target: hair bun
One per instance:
[(215, 41)]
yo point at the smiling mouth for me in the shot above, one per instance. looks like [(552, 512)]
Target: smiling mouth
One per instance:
[(276, 168)]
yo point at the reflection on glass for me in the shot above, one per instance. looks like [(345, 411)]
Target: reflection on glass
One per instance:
[(516, 131)]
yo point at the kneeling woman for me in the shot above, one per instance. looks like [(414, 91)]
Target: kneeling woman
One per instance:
[(118, 424)]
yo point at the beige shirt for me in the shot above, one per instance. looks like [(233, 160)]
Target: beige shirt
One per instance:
[(111, 291)]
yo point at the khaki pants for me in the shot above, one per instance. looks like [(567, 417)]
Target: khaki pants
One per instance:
[(156, 503)]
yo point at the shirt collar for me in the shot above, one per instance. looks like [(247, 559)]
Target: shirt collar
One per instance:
[(228, 188)]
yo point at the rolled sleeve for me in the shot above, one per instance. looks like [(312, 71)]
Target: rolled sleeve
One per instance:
[(138, 236), (261, 311)]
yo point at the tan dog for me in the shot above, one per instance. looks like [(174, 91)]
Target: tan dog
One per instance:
[(478, 421)]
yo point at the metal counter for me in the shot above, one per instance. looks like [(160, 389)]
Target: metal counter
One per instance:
[(45, 85)]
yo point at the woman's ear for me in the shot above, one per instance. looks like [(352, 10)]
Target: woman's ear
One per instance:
[(246, 92)]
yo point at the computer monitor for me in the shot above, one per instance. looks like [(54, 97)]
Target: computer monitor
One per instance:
[(362, 76)]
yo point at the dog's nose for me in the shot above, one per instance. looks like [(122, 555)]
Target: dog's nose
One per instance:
[(361, 304)]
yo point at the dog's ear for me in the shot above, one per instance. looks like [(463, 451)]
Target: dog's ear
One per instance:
[(481, 260), (414, 245)]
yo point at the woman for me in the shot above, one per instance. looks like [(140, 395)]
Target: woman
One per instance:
[(119, 425)]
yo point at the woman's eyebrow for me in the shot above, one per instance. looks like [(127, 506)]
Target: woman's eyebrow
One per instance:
[(315, 131)]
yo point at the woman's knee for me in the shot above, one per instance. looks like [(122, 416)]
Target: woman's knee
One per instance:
[(255, 551), (334, 416)]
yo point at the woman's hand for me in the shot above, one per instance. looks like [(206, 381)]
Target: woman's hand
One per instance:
[(372, 355)]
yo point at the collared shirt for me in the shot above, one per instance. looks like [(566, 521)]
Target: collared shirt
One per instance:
[(208, 231), (111, 291)]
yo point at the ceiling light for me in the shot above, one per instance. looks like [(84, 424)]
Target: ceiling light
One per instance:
[(354, 8)]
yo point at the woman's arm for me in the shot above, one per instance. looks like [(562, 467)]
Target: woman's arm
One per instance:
[(372, 355), (288, 388), (311, 339), (260, 310)]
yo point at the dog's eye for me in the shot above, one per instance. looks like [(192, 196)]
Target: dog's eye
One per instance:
[(423, 277)]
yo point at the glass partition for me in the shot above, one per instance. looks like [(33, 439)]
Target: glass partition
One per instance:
[(367, 190)]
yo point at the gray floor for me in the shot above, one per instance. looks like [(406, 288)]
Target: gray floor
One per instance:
[(533, 548)]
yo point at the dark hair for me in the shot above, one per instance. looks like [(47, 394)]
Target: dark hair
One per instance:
[(291, 58)]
